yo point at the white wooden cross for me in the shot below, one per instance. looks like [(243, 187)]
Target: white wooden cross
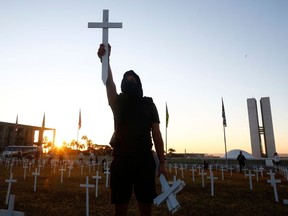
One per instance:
[(210, 168), (250, 179), (261, 170), (182, 171), (222, 168), (199, 169), (87, 186), (273, 182), (30, 164), (70, 167), (170, 167), (10, 211), (82, 166), (169, 194), (245, 173), (10, 181), (193, 173), (54, 164), (175, 167), (97, 177), (107, 172), (35, 180), (105, 25), (39, 166), (212, 178), (257, 171), (25, 166), (271, 174), (62, 170), (11, 167), (231, 170), (202, 177)]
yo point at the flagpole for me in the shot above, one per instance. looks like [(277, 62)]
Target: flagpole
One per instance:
[(225, 145), (224, 125), (167, 119), (166, 140), (79, 126)]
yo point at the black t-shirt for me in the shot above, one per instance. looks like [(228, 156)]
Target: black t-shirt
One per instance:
[(133, 121)]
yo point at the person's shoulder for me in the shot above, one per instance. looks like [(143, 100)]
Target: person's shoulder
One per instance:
[(148, 99)]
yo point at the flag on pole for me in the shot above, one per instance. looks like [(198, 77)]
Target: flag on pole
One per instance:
[(79, 122), (223, 114), (16, 124), (167, 116)]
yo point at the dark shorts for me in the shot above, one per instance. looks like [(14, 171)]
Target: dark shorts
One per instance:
[(130, 175)]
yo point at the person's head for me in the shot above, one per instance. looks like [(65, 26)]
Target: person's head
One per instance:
[(240, 152), (131, 85)]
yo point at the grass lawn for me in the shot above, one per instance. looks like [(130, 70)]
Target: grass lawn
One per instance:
[(232, 196)]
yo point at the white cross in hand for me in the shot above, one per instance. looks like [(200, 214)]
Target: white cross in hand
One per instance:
[(169, 193), (105, 25)]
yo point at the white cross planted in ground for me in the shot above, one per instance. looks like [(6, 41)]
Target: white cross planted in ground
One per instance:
[(199, 169), (175, 168), (87, 186), (250, 179), (30, 164), (11, 167), (97, 177), (257, 171), (273, 182), (62, 171), (105, 25), (39, 168), (182, 171), (107, 172), (261, 171), (212, 178), (35, 179), (245, 169), (10, 181), (169, 194), (82, 166), (10, 211), (210, 168), (222, 171), (54, 166), (231, 170), (193, 173), (271, 174), (25, 166), (202, 177), (70, 167)]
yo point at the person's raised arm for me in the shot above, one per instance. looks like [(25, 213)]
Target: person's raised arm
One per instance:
[(110, 85)]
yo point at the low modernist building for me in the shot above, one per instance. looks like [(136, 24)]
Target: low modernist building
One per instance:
[(24, 135)]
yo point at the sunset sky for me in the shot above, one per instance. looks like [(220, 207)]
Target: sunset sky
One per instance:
[(187, 53)]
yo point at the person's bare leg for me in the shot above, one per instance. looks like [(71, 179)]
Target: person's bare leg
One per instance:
[(121, 210), (145, 209)]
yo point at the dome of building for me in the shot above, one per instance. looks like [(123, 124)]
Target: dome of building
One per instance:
[(233, 154)]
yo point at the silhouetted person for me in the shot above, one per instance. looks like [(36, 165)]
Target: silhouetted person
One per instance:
[(241, 160)]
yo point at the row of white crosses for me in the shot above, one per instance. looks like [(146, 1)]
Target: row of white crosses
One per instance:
[(222, 168)]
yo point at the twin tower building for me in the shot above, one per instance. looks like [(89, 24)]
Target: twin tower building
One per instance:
[(262, 137)]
